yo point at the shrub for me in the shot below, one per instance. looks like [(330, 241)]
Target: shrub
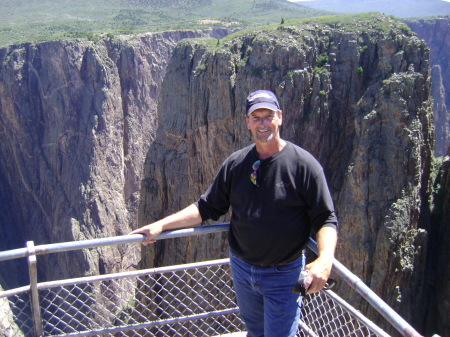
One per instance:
[(322, 59)]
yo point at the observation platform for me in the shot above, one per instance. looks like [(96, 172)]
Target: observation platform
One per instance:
[(195, 299)]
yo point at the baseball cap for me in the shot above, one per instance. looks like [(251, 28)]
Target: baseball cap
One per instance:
[(262, 99)]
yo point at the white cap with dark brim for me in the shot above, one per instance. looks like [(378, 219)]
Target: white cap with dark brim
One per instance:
[(261, 99)]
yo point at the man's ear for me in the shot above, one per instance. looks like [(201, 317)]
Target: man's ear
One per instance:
[(280, 116)]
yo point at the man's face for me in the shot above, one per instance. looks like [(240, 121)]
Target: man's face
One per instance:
[(264, 125)]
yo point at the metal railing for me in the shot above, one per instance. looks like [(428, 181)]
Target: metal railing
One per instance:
[(194, 299)]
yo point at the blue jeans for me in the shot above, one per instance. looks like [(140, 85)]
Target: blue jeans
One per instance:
[(267, 305)]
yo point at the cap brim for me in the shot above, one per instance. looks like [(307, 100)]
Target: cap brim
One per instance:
[(262, 105)]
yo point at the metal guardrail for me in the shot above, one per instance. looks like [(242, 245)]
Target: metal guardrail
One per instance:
[(186, 300)]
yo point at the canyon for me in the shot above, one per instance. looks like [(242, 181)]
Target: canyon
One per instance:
[(98, 138)]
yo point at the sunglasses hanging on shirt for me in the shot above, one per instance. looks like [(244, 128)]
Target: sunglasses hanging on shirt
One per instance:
[(254, 175)]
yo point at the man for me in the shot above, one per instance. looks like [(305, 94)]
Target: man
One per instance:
[(278, 195)]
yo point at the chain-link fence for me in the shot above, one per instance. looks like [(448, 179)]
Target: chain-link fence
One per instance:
[(15, 313), (187, 300)]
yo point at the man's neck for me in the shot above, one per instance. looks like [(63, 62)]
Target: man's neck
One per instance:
[(267, 150)]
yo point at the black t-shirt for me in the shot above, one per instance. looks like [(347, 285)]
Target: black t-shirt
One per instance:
[(271, 221)]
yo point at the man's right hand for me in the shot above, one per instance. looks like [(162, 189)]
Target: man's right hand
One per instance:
[(187, 217), (150, 231)]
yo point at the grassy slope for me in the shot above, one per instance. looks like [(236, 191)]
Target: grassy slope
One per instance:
[(359, 23), (41, 20)]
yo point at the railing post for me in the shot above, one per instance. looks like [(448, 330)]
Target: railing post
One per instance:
[(35, 307)]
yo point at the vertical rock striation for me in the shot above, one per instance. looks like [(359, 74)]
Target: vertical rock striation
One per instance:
[(436, 33), (76, 120), (439, 274), (355, 94)]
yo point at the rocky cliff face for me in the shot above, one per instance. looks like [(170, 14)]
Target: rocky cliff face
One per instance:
[(436, 33), (76, 120), (356, 96), (439, 252)]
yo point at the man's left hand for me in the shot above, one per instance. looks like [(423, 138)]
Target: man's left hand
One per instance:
[(318, 272)]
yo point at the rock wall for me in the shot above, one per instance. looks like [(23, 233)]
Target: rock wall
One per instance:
[(356, 95), (436, 33), (76, 120), (438, 282)]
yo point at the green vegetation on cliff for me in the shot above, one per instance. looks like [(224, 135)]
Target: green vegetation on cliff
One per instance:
[(374, 23)]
